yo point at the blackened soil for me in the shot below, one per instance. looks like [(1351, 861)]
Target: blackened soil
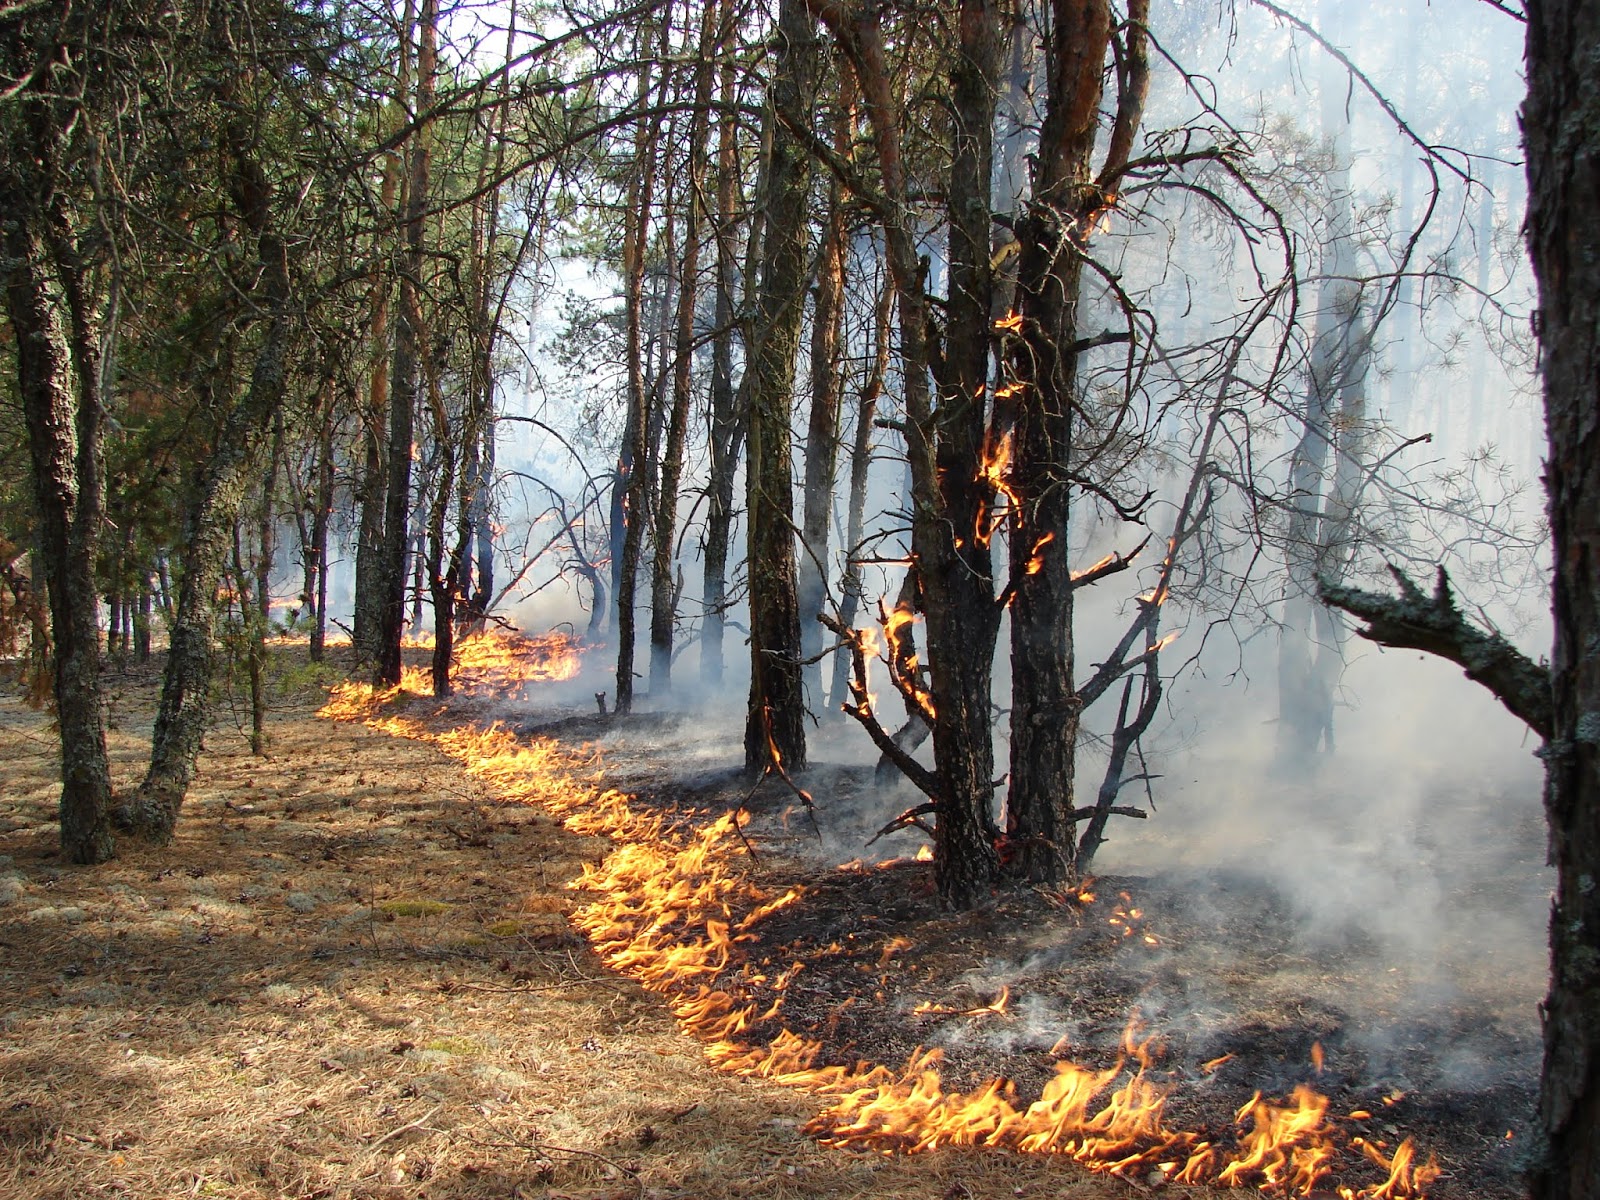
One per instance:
[(1209, 966)]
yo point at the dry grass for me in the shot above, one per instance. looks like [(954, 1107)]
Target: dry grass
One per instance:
[(352, 976)]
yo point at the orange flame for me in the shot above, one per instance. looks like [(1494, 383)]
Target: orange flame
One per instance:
[(1036, 558), (675, 910)]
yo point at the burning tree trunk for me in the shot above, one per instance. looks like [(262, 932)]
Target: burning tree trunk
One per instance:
[(774, 725), (951, 493), (1068, 199)]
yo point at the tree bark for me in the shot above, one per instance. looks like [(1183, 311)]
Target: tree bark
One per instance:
[(1068, 200), (57, 384), (727, 425), (775, 721), (410, 340), (211, 513), (822, 429), (1562, 126), (663, 594), (633, 474)]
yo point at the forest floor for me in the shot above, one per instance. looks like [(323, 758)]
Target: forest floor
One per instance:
[(353, 975)]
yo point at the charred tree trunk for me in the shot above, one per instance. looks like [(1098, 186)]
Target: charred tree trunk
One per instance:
[(775, 722), (944, 448), (1563, 136), (1067, 201)]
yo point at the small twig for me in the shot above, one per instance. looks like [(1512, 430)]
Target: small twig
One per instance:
[(394, 1133)]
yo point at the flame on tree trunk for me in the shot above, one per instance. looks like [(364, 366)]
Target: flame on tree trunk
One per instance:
[(1068, 199)]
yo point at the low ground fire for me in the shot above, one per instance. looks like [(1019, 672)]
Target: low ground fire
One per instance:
[(680, 905)]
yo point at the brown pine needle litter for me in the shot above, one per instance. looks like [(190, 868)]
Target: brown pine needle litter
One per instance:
[(351, 976)]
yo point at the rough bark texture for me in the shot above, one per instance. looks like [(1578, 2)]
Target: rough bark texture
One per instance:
[(633, 462), (409, 341), (62, 413), (1044, 709), (943, 445), (777, 701), (727, 427), (1562, 126), (207, 542), (1414, 620)]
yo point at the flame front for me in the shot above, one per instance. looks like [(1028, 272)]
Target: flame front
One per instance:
[(677, 912)]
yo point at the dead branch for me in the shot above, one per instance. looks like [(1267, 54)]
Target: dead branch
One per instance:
[(1414, 620), (911, 816), (925, 780), (1109, 565), (1115, 810)]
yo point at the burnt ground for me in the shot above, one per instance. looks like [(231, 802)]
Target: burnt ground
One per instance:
[(1211, 964), (352, 976)]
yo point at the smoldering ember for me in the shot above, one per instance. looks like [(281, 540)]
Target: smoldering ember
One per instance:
[(806, 599)]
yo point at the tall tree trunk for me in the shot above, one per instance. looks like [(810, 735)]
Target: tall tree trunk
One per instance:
[(663, 594), (943, 448), (1067, 201), (57, 377), (822, 429), (372, 490), (1322, 503), (1563, 139), (774, 724), (727, 425), (633, 476), (850, 587), (410, 341)]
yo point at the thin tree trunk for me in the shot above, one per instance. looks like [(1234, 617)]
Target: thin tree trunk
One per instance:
[(822, 430), (410, 341), (850, 588), (727, 425), (633, 478), (663, 595)]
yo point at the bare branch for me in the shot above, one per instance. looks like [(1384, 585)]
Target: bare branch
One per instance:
[(1414, 620)]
